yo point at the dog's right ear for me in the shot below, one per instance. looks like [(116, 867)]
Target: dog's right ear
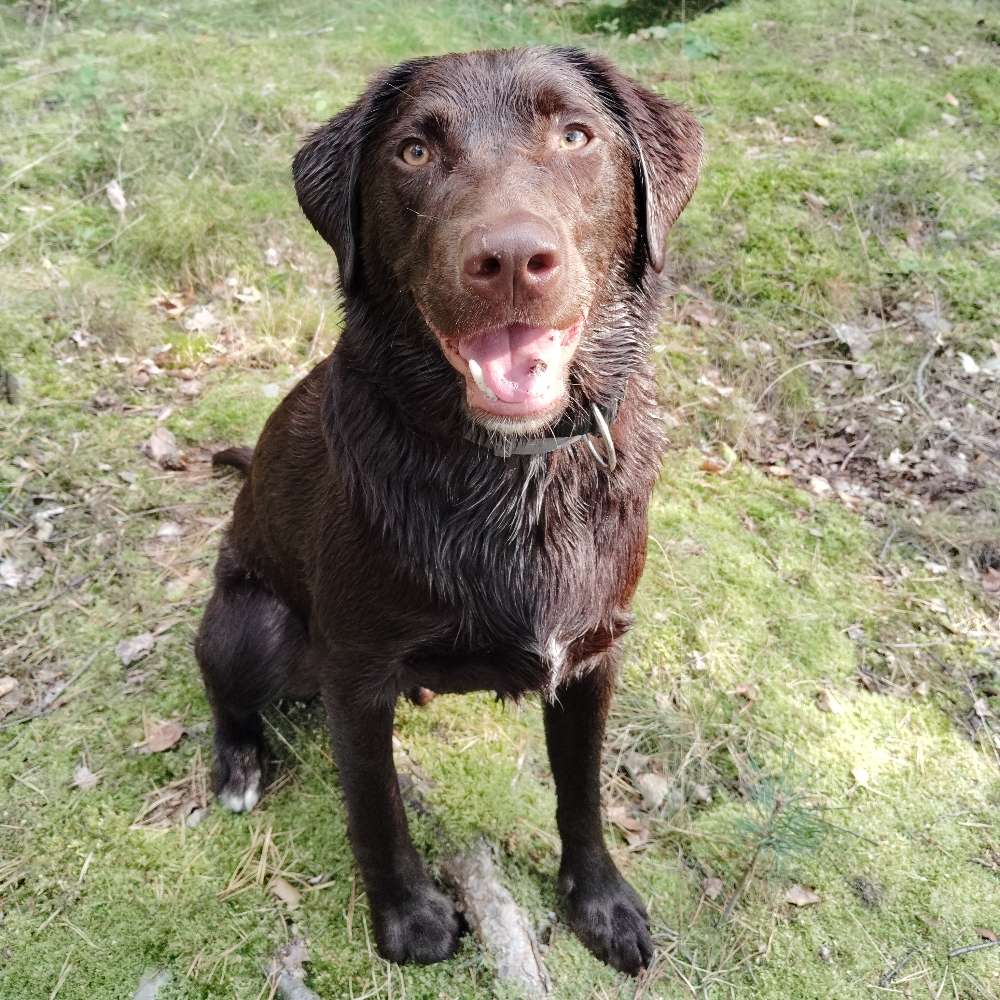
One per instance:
[(327, 168)]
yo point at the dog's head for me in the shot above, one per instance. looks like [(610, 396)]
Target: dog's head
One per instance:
[(499, 193)]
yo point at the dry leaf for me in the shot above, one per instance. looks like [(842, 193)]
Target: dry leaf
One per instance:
[(827, 701), (799, 895), (654, 788), (201, 320), (85, 779), (712, 887), (703, 315), (819, 486), (636, 832), (132, 650), (248, 295), (860, 776), (116, 196), (7, 684), (986, 934), (162, 448), (713, 465), (951, 99), (815, 200), (172, 305), (286, 892), (161, 736), (821, 121), (991, 580), (747, 691)]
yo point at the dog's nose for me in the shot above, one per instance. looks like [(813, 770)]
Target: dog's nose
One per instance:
[(510, 261)]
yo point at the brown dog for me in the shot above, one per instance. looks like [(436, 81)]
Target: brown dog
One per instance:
[(456, 498)]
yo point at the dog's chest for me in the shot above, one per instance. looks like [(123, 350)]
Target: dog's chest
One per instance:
[(527, 621)]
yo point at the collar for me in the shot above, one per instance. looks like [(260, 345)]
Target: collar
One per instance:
[(598, 425)]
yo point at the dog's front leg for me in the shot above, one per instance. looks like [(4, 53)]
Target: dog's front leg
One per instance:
[(413, 921), (604, 910)]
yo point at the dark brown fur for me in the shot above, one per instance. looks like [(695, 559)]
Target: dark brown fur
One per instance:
[(376, 547)]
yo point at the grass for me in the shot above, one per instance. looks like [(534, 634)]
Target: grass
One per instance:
[(762, 608)]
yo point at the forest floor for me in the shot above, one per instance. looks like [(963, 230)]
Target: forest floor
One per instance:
[(803, 767)]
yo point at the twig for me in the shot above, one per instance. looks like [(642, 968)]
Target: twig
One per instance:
[(969, 948), (50, 699), (51, 599), (888, 978)]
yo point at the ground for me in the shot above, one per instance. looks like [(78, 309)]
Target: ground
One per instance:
[(803, 768)]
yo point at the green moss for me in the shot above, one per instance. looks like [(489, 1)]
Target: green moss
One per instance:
[(750, 583)]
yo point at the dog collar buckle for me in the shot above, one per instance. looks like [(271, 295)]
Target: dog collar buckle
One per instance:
[(543, 446)]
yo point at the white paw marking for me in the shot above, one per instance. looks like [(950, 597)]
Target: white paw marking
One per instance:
[(244, 801)]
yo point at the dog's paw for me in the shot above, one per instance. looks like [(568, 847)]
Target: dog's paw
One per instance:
[(238, 777), (423, 927), (609, 918)]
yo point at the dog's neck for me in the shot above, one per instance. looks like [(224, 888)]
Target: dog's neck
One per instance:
[(457, 517)]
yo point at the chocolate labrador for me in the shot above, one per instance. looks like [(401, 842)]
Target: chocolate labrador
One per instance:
[(455, 500)]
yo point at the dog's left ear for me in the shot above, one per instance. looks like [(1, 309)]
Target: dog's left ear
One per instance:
[(666, 142), (327, 169)]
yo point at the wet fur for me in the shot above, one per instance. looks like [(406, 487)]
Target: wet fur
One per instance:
[(375, 549)]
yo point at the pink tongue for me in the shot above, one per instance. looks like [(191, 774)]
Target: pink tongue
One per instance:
[(519, 363)]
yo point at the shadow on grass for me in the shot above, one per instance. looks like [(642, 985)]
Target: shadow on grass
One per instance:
[(635, 14)]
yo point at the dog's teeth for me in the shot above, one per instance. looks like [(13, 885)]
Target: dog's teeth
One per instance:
[(476, 370)]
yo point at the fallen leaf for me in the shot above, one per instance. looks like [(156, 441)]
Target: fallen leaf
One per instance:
[(827, 701), (987, 935), (981, 707), (860, 776), (654, 788), (712, 887), (703, 315), (701, 793), (201, 320), (286, 892), (132, 650), (169, 531), (161, 736), (857, 341), (821, 121), (819, 486), (799, 895), (116, 196), (636, 832), (951, 99), (7, 684), (248, 295), (991, 580), (969, 364), (162, 448), (815, 200), (747, 691), (85, 779), (922, 690), (172, 305), (713, 465)]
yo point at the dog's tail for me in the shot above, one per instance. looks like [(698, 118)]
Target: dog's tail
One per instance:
[(237, 458)]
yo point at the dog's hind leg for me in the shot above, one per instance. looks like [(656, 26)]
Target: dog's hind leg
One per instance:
[(248, 646)]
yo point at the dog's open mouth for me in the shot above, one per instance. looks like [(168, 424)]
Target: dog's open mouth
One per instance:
[(515, 371)]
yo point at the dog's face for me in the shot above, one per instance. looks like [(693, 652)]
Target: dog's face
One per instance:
[(498, 190)]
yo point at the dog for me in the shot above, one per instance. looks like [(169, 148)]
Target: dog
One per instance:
[(456, 499)]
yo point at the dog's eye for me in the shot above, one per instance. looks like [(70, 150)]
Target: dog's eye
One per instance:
[(416, 154), (574, 138)]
